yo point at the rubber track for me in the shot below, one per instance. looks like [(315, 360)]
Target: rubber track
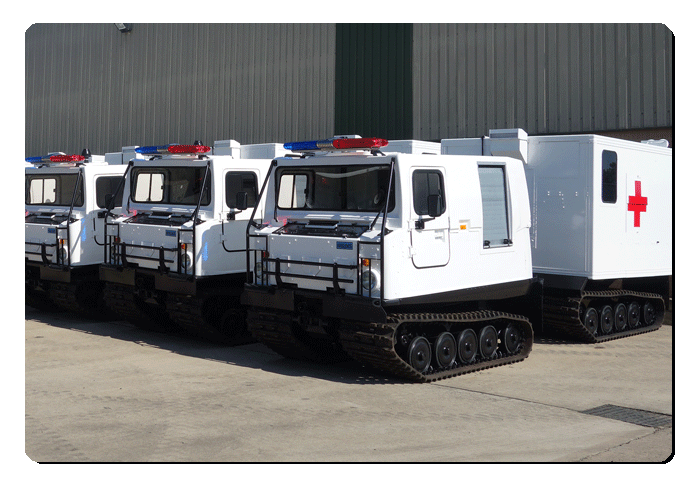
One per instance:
[(564, 315), (278, 334), (373, 344), (64, 296), (120, 299), (188, 313), (39, 300)]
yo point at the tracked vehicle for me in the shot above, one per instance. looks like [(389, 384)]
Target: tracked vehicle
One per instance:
[(408, 263), (601, 228), (176, 260), (63, 228)]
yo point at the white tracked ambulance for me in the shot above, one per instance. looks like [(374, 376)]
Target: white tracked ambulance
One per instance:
[(601, 230), (177, 258), (63, 229), (402, 261)]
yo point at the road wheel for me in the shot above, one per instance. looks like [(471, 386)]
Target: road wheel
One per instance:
[(419, 354), (445, 350)]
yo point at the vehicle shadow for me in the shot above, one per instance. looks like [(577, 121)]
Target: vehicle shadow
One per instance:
[(252, 355)]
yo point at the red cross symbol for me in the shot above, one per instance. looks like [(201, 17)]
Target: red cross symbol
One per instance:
[(637, 204)]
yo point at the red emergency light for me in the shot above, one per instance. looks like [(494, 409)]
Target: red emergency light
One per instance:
[(188, 149), (67, 158), (359, 143)]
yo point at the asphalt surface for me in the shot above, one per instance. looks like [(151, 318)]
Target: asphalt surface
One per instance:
[(109, 392)]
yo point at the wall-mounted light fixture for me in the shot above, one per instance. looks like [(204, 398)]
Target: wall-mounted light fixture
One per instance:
[(124, 27)]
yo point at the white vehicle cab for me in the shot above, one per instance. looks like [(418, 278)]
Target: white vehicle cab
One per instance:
[(601, 231), (63, 229), (400, 260), (176, 258)]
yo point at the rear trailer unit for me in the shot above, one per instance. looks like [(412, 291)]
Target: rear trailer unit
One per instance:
[(63, 228), (601, 230), (400, 261), (176, 258)]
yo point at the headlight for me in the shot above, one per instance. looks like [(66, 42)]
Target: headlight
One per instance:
[(186, 261), (370, 280)]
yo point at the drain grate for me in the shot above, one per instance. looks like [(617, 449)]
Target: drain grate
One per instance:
[(631, 415)]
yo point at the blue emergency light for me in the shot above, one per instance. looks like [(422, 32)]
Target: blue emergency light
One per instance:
[(310, 145), (36, 159), (153, 150)]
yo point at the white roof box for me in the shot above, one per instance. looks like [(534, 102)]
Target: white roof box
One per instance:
[(412, 146), (227, 147), (510, 142), (263, 150)]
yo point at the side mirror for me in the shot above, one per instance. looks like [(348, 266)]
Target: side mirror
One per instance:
[(108, 199), (242, 201), (434, 205)]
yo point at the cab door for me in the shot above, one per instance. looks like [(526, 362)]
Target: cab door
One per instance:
[(430, 220), (107, 189), (235, 218)]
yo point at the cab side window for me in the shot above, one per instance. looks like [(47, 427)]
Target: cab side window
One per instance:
[(108, 185), (494, 201), (425, 184), (241, 182)]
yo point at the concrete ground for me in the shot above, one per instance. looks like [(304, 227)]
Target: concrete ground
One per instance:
[(108, 392)]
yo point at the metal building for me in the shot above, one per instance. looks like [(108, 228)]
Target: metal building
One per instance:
[(91, 85)]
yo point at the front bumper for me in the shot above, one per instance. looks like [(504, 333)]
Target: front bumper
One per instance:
[(164, 282), (327, 304)]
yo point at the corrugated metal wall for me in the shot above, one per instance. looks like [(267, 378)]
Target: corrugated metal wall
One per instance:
[(543, 78), (373, 80), (90, 85)]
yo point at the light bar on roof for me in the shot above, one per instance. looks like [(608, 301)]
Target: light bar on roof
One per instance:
[(172, 148), (337, 144)]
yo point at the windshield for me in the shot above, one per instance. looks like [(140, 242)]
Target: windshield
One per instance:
[(53, 190), (354, 188), (169, 185)]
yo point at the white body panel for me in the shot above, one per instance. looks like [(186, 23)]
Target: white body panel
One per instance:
[(574, 232), (447, 255), (219, 239), (86, 233)]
